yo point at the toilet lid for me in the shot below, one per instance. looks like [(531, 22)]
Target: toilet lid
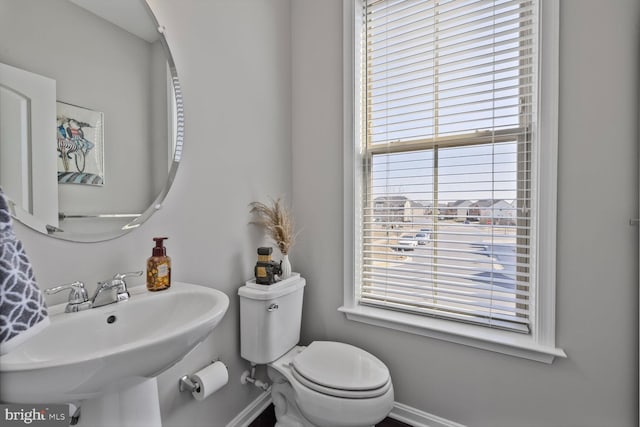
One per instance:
[(341, 366)]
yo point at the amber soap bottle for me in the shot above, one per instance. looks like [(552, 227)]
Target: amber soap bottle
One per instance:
[(159, 267)]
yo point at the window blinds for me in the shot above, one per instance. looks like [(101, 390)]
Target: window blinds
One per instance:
[(448, 108)]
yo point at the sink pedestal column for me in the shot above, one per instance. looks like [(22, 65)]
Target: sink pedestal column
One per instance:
[(137, 406)]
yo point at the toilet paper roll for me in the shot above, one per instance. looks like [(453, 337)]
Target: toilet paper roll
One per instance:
[(209, 380)]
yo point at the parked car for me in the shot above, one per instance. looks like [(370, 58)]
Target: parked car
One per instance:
[(428, 235), (422, 238), (406, 242)]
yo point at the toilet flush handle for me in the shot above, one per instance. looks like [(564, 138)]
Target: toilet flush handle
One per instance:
[(272, 307)]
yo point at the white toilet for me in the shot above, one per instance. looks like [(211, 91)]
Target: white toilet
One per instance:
[(324, 384)]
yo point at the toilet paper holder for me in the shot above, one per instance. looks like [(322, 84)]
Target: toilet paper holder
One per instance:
[(185, 383)]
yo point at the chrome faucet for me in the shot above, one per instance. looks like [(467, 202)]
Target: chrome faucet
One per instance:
[(78, 298), (112, 290)]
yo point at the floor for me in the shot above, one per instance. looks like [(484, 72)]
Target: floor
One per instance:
[(268, 419)]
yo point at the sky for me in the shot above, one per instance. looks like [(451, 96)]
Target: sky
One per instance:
[(464, 77)]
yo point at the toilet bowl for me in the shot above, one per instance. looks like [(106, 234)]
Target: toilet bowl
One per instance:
[(323, 384), (330, 384)]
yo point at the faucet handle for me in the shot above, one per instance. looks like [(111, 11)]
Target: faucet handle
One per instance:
[(122, 276), (118, 281), (121, 293), (77, 295)]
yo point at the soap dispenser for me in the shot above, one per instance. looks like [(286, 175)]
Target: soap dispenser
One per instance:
[(159, 267)]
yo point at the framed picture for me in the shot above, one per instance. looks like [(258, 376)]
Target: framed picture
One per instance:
[(80, 134)]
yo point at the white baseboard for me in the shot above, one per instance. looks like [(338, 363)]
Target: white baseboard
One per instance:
[(251, 412), (417, 418), (400, 412)]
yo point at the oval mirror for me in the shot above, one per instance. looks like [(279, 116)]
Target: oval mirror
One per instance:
[(91, 119)]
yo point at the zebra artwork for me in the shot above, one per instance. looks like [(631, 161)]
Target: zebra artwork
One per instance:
[(79, 134)]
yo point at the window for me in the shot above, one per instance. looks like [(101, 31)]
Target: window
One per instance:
[(445, 153)]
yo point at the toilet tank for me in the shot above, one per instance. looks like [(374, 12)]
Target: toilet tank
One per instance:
[(270, 317)]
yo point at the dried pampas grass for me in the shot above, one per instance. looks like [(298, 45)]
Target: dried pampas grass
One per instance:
[(277, 221)]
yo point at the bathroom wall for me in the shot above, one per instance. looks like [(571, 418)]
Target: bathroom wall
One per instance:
[(597, 278), (233, 58)]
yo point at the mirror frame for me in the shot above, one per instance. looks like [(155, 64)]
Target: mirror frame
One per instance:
[(156, 204)]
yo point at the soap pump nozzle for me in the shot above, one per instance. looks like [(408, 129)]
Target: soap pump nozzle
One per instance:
[(159, 249)]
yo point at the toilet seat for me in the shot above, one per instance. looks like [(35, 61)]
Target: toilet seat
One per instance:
[(346, 394), (341, 370)]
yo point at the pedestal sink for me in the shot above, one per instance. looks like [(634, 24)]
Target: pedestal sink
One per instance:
[(93, 355)]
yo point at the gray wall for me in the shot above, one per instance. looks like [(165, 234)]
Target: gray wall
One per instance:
[(597, 277), (233, 58)]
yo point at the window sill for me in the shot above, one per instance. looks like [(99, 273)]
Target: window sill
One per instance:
[(513, 344)]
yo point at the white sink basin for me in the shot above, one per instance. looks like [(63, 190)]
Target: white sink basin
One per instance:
[(85, 354)]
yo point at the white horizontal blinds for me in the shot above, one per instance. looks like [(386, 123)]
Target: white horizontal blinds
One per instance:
[(447, 172)]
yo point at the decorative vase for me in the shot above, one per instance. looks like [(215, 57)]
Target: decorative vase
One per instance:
[(286, 267)]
